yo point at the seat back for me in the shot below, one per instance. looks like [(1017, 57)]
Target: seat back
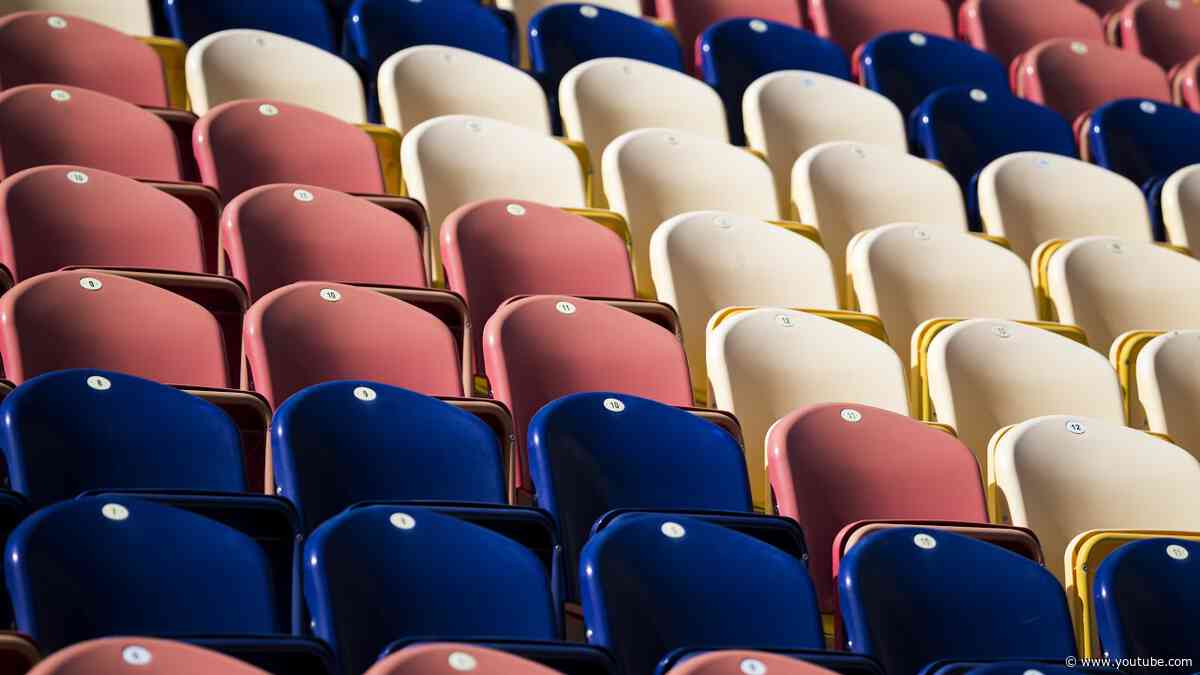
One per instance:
[(1167, 369), (1180, 201), (1074, 76), (1011, 27), (907, 67), (448, 658), (1162, 31), (692, 17), (720, 662), (524, 10), (1144, 140), (140, 656), (134, 17), (653, 583), (307, 20), (851, 23)]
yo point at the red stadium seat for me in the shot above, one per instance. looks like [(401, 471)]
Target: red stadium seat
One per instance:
[(740, 661), (1164, 31), (1007, 28), (450, 659), (851, 23), (691, 17), (140, 656)]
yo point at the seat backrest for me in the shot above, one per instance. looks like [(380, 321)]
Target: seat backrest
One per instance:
[(279, 234), (540, 348), (1021, 198), (846, 187), (1057, 475), (653, 583), (651, 175), (892, 271), (111, 443), (327, 444), (788, 112), (55, 216), (306, 20), (851, 23), (86, 319), (1006, 28), (904, 594), (427, 81), (428, 571), (692, 17), (61, 124), (1144, 140), (985, 374), (524, 10), (236, 64), (140, 656), (47, 48), (304, 334), (729, 661), (698, 263), (1167, 369), (497, 249), (130, 16), (1180, 199), (1108, 286), (448, 658), (1074, 76), (906, 67), (176, 573), (1166, 32), (244, 144)]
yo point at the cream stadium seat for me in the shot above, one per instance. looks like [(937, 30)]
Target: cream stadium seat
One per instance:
[(651, 175), (131, 16), (1168, 386), (241, 64), (1031, 197), (604, 98), (420, 83), (787, 112), (764, 363), (704, 261), (1181, 206), (523, 11)]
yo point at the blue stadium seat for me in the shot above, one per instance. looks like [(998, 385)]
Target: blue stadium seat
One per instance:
[(907, 67), (736, 52), (338, 443), (294, 655), (565, 35), (1147, 598), (652, 583), (911, 596), (306, 20), (587, 460)]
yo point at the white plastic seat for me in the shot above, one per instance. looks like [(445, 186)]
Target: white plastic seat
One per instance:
[(1181, 206), (131, 16), (1168, 386)]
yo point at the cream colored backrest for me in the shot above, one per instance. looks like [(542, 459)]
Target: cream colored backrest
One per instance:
[(1181, 206), (1031, 197), (131, 16), (765, 363), (1108, 286), (906, 273), (420, 83), (1062, 475), (654, 174), (603, 98), (844, 188), (1168, 385), (524, 10), (985, 374), (787, 112), (239, 64), (704, 261)]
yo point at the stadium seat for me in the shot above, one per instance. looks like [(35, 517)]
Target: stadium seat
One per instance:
[(844, 188), (838, 662), (244, 144), (721, 662), (851, 23), (705, 261), (425, 581), (908, 67), (736, 52), (140, 656), (524, 10), (985, 374), (1180, 208), (1013, 667), (1103, 7), (275, 235), (60, 124), (1021, 198), (691, 17), (892, 267), (339, 443), (46, 48), (895, 581), (786, 113), (427, 81), (1145, 594), (764, 363), (306, 20), (651, 175), (18, 654), (1184, 88), (131, 16), (311, 332), (237, 64), (1058, 474), (448, 658), (1165, 385), (1008, 28), (497, 249), (176, 573), (1163, 31), (540, 348), (654, 583)]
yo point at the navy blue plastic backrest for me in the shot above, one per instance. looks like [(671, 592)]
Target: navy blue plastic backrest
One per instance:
[(70, 431), (651, 584), (911, 596), (332, 449), (376, 574), (1147, 596), (13, 507), (587, 460), (1144, 140), (736, 52), (306, 20), (376, 29), (99, 566), (895, 65)]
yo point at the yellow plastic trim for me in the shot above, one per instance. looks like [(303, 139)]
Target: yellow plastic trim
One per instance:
[(617, 223), (585, 167), (946, 428), (387, 144), (808, 231), (997, 505), (1123, 356), (995, 239), (867, 323), (1040, 267), (1177, 248), (173, 55)]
